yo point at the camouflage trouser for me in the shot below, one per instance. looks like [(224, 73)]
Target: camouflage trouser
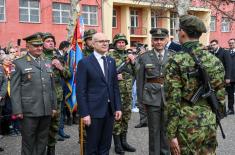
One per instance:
[(198, 141), (121, 126), (54, 127)]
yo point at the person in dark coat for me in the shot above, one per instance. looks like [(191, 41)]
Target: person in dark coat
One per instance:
[(230, 88)]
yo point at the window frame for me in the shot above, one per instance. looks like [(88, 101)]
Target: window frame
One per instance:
[(4, 11), (60, 13), (89, 15), (135, 17), (228, 26), (154, 17), (114, 18), (213, 23), (173, 18), (28, 8)]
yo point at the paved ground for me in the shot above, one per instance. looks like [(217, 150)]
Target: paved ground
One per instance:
[(137, 137)]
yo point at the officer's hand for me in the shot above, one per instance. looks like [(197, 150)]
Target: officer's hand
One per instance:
[(119, 76), (87, 120), (118, 115), (1, 98), (20, 116), (227, 81), (57, 64), (131, 57), (54, 113), (174, 146)]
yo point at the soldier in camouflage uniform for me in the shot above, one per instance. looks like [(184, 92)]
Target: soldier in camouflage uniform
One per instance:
[(150, 90), (191, 128), (61, 71), (125, 85), (87, 38)]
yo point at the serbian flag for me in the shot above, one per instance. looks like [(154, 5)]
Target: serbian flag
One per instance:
[(74, 56)]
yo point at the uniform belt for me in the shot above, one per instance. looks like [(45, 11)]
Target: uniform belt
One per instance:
[(156, 80)]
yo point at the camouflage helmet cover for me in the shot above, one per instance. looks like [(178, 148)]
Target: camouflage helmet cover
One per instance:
[(89, 33), (119, 36)]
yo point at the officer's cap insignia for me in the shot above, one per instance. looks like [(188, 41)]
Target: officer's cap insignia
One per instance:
[(159, 31)]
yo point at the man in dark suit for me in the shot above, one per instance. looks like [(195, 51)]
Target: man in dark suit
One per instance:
[(230, 88), (224, 57), (172, 45), (98, 96), (34, 98)]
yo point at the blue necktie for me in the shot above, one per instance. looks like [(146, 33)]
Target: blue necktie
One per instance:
[(105, 68)]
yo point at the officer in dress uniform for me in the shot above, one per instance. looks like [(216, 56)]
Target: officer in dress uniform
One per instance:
[(34, 99), (150, 90)]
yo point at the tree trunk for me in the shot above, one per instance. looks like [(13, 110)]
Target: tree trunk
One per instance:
[(72, 22)]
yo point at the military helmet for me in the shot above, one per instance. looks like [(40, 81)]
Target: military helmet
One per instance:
[(89, 33), (47, 35), (119, 36)]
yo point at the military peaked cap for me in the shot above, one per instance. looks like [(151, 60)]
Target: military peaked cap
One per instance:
[(34, 39), (192, 23), (159, 33)]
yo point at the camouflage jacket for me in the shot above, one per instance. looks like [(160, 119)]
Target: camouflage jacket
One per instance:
[(87, 51), (179, 88), (59, 76), (125, 85)]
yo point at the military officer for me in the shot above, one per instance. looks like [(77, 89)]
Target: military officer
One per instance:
[(125, 85), (61, 72), (191, 126), (87, 38), (34, 99), (150, 90)]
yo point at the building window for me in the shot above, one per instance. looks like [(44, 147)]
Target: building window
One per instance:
[(173, 19), (134, 18), (114, 18), (154, 19), (61, 13), (29, 11), (225, 25), (2, 10), (213, 24), (90, 15)]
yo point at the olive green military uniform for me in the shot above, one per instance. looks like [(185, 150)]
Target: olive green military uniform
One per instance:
[(150, 92), (58, 77), (194, 125), (32, 86), (88, 34)]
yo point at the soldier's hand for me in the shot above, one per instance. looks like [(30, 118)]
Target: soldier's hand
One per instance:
[(131, 58), (54, 113), (174, 146), (118, 115), (20, 116), (119, 76), (227, 81), (1, 98), (57, 64), (87, 120)]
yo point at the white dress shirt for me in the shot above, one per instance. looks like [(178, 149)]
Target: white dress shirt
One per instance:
[(100, 60)]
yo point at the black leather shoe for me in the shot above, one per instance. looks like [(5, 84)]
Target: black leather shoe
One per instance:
[(1, 149), (230, 112), (141, 125)]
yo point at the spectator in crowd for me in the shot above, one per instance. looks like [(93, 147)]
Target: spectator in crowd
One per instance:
[(230, 88)]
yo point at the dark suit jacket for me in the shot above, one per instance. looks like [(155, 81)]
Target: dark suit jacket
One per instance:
[(174, 46), (225, 58), (93, 92), (232, 77)]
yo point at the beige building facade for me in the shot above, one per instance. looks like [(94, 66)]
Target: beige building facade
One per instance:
[(135, 19)]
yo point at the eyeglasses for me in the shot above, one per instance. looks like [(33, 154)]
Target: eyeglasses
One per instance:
[(103, 41)]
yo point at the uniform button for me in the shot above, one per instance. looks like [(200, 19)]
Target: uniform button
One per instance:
[(42, 79)]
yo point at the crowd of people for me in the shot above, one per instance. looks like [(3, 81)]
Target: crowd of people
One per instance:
[(163, 84)]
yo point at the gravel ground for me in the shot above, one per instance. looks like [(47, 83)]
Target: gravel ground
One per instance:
[(136, 137)]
